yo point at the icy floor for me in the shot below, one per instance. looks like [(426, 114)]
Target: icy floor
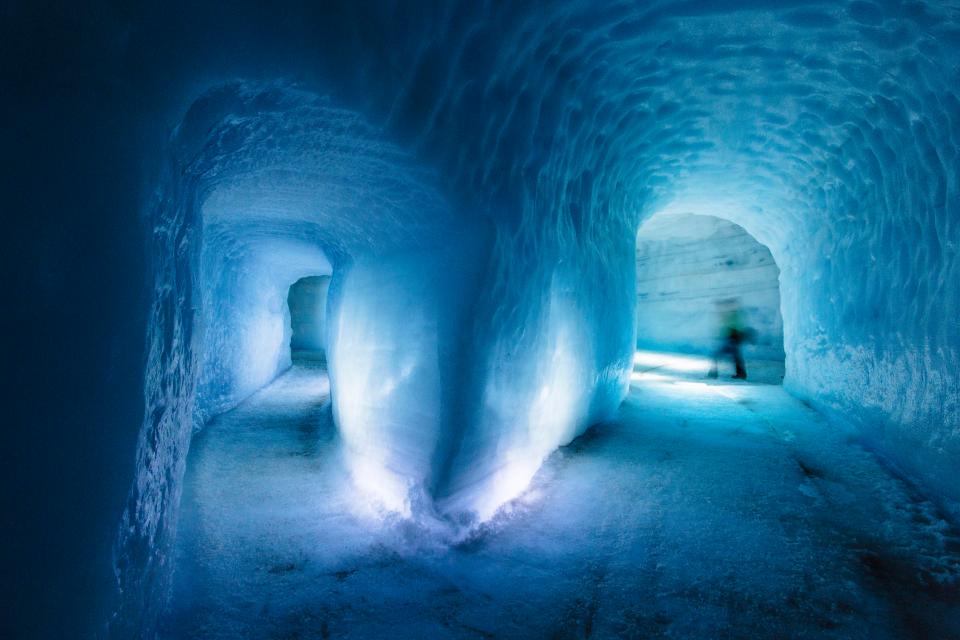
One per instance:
[(706, 510)]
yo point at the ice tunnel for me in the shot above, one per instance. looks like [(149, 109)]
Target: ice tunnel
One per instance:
[(444, 201), (307, 303), (689, 264), (281, 186), (467, 341)]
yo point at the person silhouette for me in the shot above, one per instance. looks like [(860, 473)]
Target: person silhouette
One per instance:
[(733, 333)]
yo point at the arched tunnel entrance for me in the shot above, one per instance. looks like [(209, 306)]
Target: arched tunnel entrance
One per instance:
[(694, 274), (473, 397), (484, 452), (307, 301), (483, 419)]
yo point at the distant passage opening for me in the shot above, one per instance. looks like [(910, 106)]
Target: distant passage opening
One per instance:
[(696, 276), (307, 300)]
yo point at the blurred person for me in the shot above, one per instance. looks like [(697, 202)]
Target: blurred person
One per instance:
[(733, 333)]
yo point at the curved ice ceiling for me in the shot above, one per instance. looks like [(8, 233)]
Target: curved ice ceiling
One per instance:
[(474, 184)]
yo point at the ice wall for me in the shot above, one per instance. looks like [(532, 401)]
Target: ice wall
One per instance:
[(532, 140), (550, 355), (244, 316), (459, 359), (685, 264), (398, 361), (264, 185), (828, 130)]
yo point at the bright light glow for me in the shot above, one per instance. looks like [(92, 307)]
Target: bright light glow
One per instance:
[(529, 414), (386, 383), (553, 418), (649, 376), (676, 375), (364, 382), (669, 362), (507, 483), (389, 491)]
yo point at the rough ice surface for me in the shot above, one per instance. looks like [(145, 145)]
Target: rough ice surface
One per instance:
[(647, 526), (472, 176), (685, 265)]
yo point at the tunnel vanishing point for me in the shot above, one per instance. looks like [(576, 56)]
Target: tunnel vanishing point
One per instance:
[(471, 177)]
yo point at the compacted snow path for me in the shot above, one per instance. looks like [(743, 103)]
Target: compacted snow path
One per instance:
[(707, 509)]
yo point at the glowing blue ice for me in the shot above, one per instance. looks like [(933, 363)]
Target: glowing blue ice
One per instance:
[(474, 184)]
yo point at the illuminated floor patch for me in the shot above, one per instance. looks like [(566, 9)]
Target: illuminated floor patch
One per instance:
[(706, 509), (656, 365)]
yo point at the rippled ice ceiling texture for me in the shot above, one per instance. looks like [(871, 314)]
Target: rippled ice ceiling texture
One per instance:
[(472, 174)]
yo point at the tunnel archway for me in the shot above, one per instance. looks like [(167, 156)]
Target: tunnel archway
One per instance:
[(563, 181), (689, 266), (307, 302)]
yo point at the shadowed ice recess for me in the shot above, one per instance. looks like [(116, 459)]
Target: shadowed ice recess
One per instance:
[(472, 177)]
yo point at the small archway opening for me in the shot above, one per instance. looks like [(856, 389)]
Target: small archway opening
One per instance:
[(695, 272), (307, 300)]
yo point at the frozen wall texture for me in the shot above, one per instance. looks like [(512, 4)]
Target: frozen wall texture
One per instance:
[(488, 164), (476, 183), (685, 264)]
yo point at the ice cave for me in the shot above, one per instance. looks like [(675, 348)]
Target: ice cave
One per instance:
[(480, 319)]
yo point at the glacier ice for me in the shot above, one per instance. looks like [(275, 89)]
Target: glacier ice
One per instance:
[(307, 301), (685, 264), (472, 177)]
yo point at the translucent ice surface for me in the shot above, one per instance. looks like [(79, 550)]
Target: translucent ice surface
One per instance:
[(701, 510), (472, 177)]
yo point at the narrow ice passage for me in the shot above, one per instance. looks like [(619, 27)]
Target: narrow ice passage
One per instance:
[(701, 510), (470, 186), (472, 176)]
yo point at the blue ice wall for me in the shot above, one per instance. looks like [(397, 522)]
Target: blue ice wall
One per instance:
[(554, 133), (563, 129), (245, 319), (534, 137), (398, 362), (441, 389), (264, 185)]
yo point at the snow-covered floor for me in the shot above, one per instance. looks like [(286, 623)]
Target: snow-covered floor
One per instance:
[(707, 509)]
